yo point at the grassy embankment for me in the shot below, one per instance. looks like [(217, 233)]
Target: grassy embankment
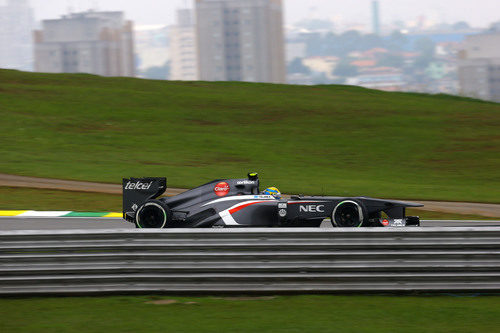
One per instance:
[(313, 140), (38, 199), (359, 314)]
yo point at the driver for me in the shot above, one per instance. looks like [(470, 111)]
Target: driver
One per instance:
[(272, 191)]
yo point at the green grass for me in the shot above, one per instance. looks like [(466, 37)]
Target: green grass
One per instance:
[(313, 140), (431, 215), (356, 314), (39, 199)]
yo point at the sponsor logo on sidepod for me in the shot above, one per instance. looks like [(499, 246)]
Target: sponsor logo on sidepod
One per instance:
[(312, 208), (138, 186), (398, 223), (221, 189)]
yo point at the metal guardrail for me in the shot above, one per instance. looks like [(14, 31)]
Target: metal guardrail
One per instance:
[(250, 261)]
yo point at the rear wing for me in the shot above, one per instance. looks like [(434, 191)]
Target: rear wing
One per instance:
[(138, 190)]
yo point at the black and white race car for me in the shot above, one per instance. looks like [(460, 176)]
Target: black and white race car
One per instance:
[(239, 203)]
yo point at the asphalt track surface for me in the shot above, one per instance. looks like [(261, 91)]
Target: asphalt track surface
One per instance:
[(19, 223)]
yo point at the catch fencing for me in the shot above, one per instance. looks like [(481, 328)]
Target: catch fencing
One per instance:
[(250, 261)]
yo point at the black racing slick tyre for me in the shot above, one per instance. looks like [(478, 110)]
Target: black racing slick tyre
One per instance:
[(349, 214), (153, 214)]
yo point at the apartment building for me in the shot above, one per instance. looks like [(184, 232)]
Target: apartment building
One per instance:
[(479, 66), (183, 50), (98, 43), (240, 40), (16, 26)]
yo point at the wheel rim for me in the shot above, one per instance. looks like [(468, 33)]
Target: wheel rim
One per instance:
[(348, 214), (151, 215)]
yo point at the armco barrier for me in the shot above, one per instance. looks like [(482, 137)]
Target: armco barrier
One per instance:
[(250, 261)]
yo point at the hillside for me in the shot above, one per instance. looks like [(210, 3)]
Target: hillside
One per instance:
[(319, 139)]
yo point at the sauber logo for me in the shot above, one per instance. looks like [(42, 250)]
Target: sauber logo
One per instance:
[(245, 182), (221, 189), (312, 208), (138, 186), (398, 223)]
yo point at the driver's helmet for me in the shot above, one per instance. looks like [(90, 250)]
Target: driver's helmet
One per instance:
[(272, 191)]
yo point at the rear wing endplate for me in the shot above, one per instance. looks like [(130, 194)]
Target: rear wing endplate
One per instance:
[(138, 190)]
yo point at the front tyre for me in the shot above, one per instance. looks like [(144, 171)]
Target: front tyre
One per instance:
[(349, 214), (153, 214)]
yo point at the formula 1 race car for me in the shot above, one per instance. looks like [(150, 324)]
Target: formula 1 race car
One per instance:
[(239, 203)]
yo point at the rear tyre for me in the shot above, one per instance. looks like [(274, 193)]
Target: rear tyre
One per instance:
[(153, 214), (349, 214)]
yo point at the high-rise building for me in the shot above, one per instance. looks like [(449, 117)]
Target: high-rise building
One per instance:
[(183, 53), (91, 42), (241, 40), (479, 66), (16, 25), (375, 17)]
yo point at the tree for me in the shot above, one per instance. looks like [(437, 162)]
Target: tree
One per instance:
[(296, 66), (397, 41), (391, 60), (425, 46), (462, 25), (157, 72), (422, 62), (314, 44), (371, 41), (345, 69), (320, 78), (316, 24)]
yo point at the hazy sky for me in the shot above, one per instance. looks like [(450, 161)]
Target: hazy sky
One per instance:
[(479, 13)]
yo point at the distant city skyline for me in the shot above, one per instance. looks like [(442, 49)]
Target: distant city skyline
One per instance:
[(479, 13)]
